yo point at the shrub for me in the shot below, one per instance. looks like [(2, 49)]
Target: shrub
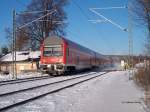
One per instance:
[(142, 77)]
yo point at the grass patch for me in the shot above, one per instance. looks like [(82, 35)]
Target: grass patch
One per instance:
[(142, 79)]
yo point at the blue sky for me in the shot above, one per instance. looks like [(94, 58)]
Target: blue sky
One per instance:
[(102, 37)]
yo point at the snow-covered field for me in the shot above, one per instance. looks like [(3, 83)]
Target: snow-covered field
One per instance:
[(109, 93)]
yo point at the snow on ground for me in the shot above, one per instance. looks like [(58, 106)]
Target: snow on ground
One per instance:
[(109, 93), (21, 75), (25, 85), (21, 56), (140, 65), (4, 77)]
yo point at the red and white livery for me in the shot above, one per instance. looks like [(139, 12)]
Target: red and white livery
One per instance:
[(60, 55)]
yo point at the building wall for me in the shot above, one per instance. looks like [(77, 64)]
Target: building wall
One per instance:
[(21, 67)]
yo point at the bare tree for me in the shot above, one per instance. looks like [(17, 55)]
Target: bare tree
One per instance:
[(33, 34), (51, 24), (142, 15), (8, 32), (22, 40), (4, 50)]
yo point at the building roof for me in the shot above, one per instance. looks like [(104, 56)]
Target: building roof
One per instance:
[(21, 56)]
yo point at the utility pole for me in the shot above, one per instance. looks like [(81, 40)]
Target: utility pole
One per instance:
[(15, 29), (46, 30), (130, 60), (129, 39), (128, 30), (14, 68)]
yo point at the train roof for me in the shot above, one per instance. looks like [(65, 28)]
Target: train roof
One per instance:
[(56, 40), (53, 40)]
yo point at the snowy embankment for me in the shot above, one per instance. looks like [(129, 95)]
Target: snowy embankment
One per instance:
[(24, 85), (109, 93), (21, 76)]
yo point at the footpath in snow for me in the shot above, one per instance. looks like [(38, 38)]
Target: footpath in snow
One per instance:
[(109, 93)]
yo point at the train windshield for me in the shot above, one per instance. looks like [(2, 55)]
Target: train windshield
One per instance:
[(53, 50)]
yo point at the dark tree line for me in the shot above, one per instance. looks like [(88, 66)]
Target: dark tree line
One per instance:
[(142, 15), (32, 35), (4, 50)]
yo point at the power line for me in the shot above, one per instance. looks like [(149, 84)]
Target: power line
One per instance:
[(22, 4), (105, 8), (32, 12), (81, 10), (109, 20), (36, 19), (29, 12), (88, 18)]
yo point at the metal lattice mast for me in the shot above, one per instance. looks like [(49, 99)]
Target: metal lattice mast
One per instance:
[(130, 37), (15, 44), (128, 30), (14, 69), (15, 29)]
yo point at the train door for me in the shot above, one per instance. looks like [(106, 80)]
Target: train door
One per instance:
[(78, 60), (90, 60), (67, 55)]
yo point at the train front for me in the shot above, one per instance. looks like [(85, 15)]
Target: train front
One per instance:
[(53, 55)]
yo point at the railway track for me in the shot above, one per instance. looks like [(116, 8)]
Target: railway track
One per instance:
[(26, 95), (16, 81), (23, 80)]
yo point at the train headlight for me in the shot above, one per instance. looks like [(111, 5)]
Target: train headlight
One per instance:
[(48, 66), (60, 60)]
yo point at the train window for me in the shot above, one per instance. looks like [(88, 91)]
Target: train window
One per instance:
[(52, 51), (47, 51), (57, 51)]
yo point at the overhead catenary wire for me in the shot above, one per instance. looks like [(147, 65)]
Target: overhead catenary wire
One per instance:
[(36, 19), (15, 29), (94, 10), (105, 8), (22, 4), (109, 20), (81, 10), (29, 12), (97, 21), (88, 18), (57, 22), (36, 11)]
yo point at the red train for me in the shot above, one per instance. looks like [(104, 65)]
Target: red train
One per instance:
[(60, 55)]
